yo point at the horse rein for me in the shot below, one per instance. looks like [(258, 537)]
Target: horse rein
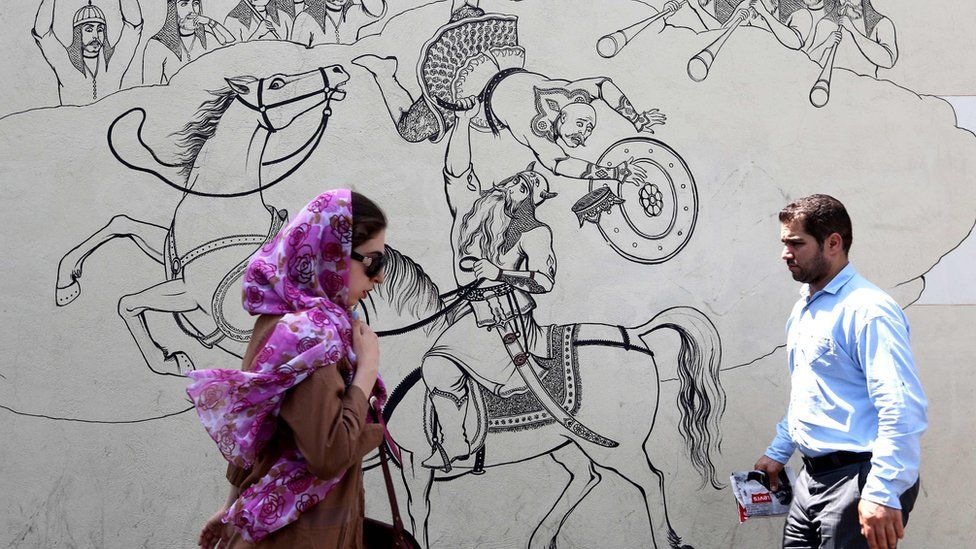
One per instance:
[(263, 107)]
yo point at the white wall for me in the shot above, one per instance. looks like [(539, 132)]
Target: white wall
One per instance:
[(98, 451)]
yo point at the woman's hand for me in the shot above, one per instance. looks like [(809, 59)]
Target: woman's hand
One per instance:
[(367, 348), (215, 534)]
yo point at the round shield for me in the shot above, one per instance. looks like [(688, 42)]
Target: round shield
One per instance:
[(657, 214)]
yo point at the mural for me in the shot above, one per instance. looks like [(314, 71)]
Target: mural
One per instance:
[(583, 238)]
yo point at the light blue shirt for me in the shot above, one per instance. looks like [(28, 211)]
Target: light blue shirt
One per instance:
[(854, 384)]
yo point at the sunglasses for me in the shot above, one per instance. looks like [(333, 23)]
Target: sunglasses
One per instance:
[(373, 262)]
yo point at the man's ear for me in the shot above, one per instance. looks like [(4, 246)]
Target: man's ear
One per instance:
[(241, 84)]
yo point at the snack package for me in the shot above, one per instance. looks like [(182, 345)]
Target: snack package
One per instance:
[(754, 498)]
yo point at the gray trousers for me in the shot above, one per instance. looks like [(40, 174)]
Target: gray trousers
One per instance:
[(823, 514)]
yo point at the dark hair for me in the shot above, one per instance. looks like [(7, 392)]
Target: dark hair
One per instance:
[(367, 219), (821, 216)]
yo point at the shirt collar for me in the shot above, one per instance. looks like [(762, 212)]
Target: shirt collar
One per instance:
[(835, 284)]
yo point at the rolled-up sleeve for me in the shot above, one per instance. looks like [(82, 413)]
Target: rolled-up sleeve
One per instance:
[(329, 422), (895, 390)]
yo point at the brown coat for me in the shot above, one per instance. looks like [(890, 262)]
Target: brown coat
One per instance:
[(325, 420)]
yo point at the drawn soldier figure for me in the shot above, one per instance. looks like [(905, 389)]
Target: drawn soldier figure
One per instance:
[(550, 116), (715, 14), (90, 68), (182, 39), (495, 236), (336, 21), (260, 20), (865, 39)]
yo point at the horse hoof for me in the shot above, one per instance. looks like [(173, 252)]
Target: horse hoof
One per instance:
[(183, 362), (67, 294)]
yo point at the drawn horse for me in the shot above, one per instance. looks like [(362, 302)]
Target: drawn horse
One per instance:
[(222, 177), (614, 368)]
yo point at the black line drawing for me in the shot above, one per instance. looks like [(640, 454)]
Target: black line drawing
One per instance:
[(202, 266), (336, 21), (90, 67), (261, 20), (521, 391), (848, 34), (96, 421), (477, 54), (182, 39), (517, 429), (611, 44), (650, 222)]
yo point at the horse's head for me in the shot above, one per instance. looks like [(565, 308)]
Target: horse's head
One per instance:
[(280, 99)]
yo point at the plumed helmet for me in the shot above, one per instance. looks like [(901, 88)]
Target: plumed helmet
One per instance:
[(89, 14)]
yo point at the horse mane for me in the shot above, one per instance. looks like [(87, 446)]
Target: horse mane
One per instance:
[(201, 127), (407, 288)]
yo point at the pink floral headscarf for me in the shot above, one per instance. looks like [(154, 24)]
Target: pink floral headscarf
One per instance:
[(303, 274)]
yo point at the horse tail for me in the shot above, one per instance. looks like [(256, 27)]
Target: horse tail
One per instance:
[(140, 158), (701, 397)]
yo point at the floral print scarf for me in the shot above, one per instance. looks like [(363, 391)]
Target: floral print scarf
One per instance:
[(303, 274)]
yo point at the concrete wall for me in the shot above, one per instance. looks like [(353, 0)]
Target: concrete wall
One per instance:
[(100, 450)]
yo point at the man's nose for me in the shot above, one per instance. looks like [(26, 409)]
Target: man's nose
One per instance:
[(378, 279), (787, 254)]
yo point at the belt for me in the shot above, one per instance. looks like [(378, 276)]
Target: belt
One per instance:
[(834, 460)]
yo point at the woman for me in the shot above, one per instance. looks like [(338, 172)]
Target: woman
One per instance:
[(293, 424)]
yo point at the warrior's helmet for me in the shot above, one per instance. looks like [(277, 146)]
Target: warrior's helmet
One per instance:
[(89, 14)]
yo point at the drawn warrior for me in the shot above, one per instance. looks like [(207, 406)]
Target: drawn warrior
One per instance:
[(550, 116), (182, 39), (496, 236), (260, 20), (715, 14), (865, 39), (336, 21), (90, 68)]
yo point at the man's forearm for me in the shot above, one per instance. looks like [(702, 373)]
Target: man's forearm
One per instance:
[(877, 53), (44, 22), (131, 12), (533, 282), (788, 36), (458, 156)]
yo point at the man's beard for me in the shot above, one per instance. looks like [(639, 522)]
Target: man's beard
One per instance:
[(483, 228), (850, 9), (814, 272)]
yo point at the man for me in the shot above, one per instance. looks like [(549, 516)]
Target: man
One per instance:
[(716, 14), (496, 236), (259, 20), (857, 410), (550, 116), (182, 39), (336, 21), (865, 39), (90, 68)]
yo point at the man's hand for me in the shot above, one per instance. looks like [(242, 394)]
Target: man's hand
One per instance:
[(471, 106), (487, 270), (772, 469), (628, 172), (672, 6), (881, 525), (834, 39), (203, 21), (265, 27), (649, 118)]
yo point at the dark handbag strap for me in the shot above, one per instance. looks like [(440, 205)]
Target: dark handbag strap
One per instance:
[(378, 416)]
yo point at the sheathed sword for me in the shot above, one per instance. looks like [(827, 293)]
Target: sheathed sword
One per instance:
[(523, 364)]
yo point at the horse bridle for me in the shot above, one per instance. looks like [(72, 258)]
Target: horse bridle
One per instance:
[(263, 108)]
